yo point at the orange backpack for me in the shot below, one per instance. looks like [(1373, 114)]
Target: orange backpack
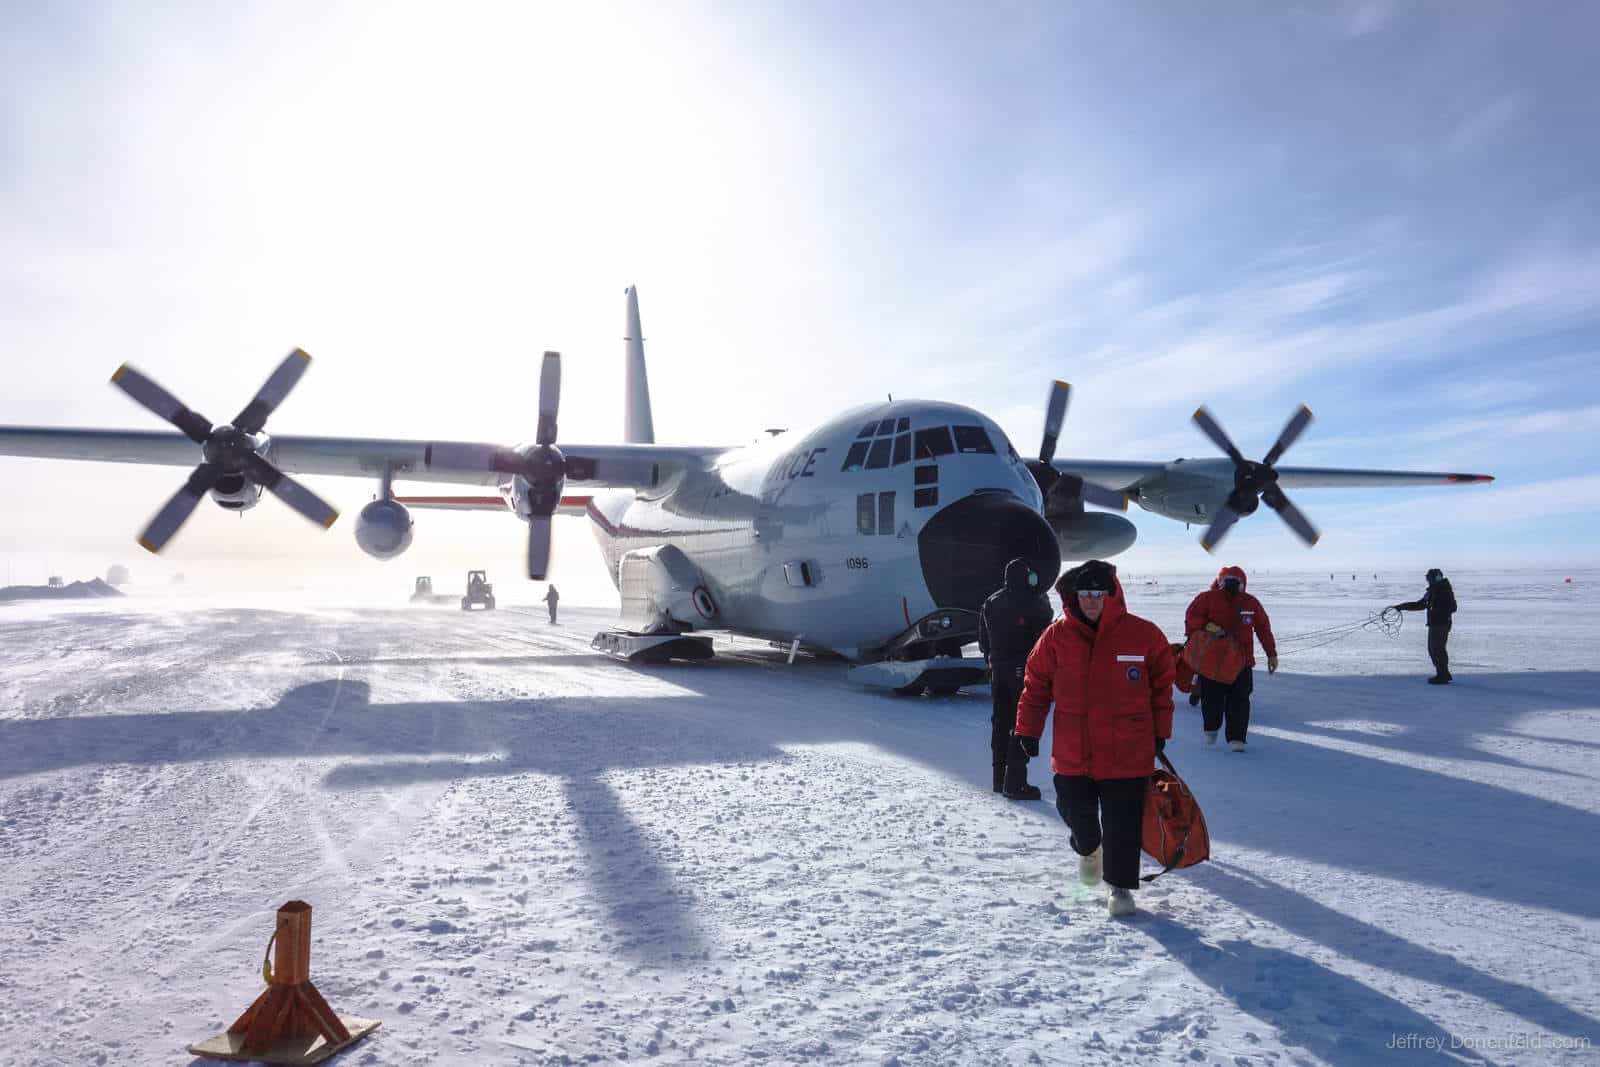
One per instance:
[(1219, 657), (1175, 833)]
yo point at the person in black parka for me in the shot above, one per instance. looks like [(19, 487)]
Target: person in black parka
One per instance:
[(1009, 625), (1440, 604)]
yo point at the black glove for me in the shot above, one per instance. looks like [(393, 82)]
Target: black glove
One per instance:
[(1015, 782), (1161, 744)]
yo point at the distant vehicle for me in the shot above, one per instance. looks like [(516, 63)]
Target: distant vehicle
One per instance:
[(56, 581), (479, 591), (424, 594)]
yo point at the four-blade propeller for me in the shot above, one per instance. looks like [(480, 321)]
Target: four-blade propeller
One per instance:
[(227, 451), (542, 467), (1065, 493), (1256, 483)]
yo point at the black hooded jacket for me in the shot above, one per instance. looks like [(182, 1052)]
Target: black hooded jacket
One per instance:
[(1439, 602), (1011, 620)]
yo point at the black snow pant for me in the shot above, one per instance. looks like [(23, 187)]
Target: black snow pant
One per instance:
[(1438, 638), (1006, 690), (1109, 812), (1221, 703)]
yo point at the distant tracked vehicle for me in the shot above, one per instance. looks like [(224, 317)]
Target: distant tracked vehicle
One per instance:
[(424, 594), (479, 591)]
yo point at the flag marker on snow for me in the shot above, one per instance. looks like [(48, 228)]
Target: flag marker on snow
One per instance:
[(289, 1022)]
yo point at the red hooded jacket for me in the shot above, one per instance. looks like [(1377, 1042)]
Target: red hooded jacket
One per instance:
[(1243, 616), (1112, 689)]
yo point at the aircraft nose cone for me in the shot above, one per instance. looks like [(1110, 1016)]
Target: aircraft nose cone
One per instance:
[(965, 548)]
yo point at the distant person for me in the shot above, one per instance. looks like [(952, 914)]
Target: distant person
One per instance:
[(1226, 608), (1109, 674), (1009, 625), (1439, 601), (551, 599)]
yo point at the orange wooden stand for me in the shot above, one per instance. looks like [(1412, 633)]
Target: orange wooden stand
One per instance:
[(289, 1022)]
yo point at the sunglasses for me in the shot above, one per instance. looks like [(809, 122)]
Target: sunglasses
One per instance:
[(1094, 594)]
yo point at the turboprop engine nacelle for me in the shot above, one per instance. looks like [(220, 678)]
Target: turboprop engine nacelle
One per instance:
[(236, 492), (662, 592), (383, 529), (1093, 534)]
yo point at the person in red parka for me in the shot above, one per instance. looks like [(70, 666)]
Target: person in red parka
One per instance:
[(1109, 674), (1226, 608)]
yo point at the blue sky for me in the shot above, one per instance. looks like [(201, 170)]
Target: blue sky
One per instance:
[(1386, 211)]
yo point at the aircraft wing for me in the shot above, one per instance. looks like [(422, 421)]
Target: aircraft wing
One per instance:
[(570, 505), (1110, 473), (1125, 474), (1346, 478), (459, 462)]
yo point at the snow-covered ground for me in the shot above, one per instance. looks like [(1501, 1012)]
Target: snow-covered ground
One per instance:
[(519, 852)]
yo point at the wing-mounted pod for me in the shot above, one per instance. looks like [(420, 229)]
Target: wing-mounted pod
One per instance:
[(383, 529), (662, 592)]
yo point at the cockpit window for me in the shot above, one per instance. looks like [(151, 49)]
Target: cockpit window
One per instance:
[(886, 426), (972, 439), (934, 442), (902, 449), (856, 456), (879, 456), (904, 425), (868, 430)]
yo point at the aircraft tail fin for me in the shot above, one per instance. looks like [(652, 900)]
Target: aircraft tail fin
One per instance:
[(640, 427)]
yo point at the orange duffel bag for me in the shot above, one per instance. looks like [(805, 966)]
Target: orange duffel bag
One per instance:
[(1174, 832), (1219, 657)]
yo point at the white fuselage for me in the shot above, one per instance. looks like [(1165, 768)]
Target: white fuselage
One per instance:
[(845, 503)]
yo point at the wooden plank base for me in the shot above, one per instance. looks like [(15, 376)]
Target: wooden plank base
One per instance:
[(297, 1051)]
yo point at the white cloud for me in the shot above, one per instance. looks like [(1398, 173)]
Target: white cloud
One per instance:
[(1367, 17), (1479, 128)]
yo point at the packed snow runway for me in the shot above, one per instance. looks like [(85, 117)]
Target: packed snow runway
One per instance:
[(521, 852)]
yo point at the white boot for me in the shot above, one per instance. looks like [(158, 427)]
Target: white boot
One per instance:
[(1236, 746), (1120, 902), (1089, 868), (1211, 737)]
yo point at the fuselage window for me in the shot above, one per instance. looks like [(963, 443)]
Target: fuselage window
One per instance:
[(928, 475), (934, 442), (902, 449), (972, 439), (879, 456), (886, 426), (868, 430), (866, 513), (904, 425), (927, 498), (856, 456), (885, 513)]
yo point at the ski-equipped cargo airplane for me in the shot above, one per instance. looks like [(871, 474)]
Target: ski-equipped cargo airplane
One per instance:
[(875, 535)]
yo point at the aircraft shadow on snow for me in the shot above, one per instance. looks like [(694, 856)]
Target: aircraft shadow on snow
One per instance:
[(1459, 834), (1235, 966), (1331, 1015)]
